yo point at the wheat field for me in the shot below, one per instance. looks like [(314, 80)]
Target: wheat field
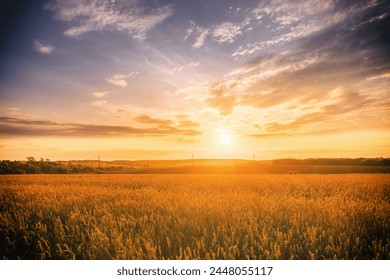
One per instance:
[(169, 216)]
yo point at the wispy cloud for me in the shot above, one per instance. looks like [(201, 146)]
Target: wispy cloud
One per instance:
[(343, 111), (43, 48), (200, 40), (226, 32), (287, 13), (22, 127), (198, 33), (185, 67), (17, 113), (99, 103), (323, 83), (98, 15), (117, 81), (100, 94), (291, 21), (120, 79)]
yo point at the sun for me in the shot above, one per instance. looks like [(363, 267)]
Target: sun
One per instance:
[(225, 138)]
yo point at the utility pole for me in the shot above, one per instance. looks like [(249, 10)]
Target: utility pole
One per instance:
[(192, 161), (254, 157), (99, 163)]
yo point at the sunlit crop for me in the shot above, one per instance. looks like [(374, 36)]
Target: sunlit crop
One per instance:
[(195, 216)]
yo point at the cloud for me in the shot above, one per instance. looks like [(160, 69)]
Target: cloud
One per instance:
[(185, 67), (179, 123), (203, 33), (153, 121), (222, 98), (199, 92), (291, 21), (199, 33), (120, 79), (193, 28), (296, 32), (226, 32), (99, 103), (99, 15), (333, 79), (15, 112), (342, 111), (42, 48), (22, 127), (288, 21), (117, 82), (188, 124), (100, 94)]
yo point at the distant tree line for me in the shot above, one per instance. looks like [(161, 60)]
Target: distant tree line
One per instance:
[(42, 166), (45, 166), (335, 161)]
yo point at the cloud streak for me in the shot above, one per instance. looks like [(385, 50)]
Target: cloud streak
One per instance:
[(37, 128), (99, 15), (185, 67), (183, 124)]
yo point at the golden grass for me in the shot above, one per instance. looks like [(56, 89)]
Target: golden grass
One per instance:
[(195, 217)]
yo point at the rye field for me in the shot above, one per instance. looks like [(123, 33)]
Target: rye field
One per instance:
[(167, 216)]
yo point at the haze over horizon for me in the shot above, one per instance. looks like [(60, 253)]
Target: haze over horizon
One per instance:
[(162, 79)]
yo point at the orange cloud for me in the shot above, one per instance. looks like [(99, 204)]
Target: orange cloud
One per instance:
[(222, 99)]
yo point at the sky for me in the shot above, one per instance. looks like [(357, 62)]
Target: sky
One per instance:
[(168, 79)]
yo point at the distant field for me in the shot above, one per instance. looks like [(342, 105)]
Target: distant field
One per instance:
[(198, 166), (234, 166), (167, 216)]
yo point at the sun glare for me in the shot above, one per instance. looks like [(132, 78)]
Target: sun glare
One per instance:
[(225, 138)]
